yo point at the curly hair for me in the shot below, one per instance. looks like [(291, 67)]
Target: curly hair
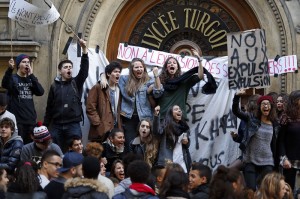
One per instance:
[(94, 149), (164, 75), (26, 177), (133, 84), (272, 115), (293, 109)]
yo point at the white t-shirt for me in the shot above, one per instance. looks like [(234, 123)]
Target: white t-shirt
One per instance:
[(178, 155)]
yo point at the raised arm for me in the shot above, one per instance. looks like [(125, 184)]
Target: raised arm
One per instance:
[(157, 83), (84, 66), (200, 68), (236, 106), (7, 81), (157, 130)]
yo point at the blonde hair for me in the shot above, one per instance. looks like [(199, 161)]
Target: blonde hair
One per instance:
[(270, 186), (134, 83)]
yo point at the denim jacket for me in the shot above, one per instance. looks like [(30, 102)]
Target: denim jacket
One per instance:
[(140, 98), (251, 126)]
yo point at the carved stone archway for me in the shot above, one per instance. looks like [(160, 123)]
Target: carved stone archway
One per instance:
[(135, 15)]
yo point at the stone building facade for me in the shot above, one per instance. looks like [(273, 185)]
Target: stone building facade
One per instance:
[(168, 25)]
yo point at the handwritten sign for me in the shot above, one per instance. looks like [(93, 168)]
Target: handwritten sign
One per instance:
[(27, 13), (247, 60), (286, 64), (218, 66), (154, 57)]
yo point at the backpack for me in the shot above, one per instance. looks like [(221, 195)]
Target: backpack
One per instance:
[(128, 195)]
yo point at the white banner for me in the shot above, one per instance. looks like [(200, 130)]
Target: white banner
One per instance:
[(154, 57), (210, 116), (286, 64), (211, 120), (24, 12), (218, 67)]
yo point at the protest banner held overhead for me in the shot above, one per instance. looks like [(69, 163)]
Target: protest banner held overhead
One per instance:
[(24, 12), (154, 57), (247, 60)]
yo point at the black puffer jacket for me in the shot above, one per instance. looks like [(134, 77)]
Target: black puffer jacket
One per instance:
[(200, 192), (83, 188), (10, 153)]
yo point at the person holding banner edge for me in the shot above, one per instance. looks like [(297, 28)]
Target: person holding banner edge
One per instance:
[(64, 107), (135, 90), (177, 86), (260, 140)]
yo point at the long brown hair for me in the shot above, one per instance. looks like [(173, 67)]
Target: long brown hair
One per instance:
[(151, 144), (134, 83), (292, 108), (164, 75), (270, 186)]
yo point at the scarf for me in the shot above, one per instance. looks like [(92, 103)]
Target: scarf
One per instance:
[(115, 148), (210, 86), (140, 187), (180, 128)]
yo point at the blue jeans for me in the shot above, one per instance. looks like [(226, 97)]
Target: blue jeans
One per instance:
[(62, 134)]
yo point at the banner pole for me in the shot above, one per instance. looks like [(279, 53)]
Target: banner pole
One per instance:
[(11, 44)]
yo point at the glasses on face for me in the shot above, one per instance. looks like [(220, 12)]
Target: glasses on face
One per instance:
[(57, 164), (265, 104)]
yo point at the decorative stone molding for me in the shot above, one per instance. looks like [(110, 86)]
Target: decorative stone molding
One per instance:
[(29, 48), (69, 29), (283, 40), (91, 19)]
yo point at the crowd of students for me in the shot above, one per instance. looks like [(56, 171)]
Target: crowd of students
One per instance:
[(139, 138)]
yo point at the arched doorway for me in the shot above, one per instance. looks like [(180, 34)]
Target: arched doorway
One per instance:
[(176, 25)]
